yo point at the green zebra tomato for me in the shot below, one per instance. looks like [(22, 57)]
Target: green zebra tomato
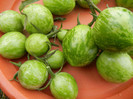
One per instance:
[(113, 29), (62, 34), (32, 74), (59, 7), (40, 16), (12, 45), (125, 3), (56, 60), (64, 86), (37, 44), (116, 67), (84, 4), (10, 21), (78, 46)]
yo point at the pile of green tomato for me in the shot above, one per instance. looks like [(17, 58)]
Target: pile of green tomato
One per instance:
[(110, 41)]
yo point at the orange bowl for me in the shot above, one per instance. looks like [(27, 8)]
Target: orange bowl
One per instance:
[(91, 85)]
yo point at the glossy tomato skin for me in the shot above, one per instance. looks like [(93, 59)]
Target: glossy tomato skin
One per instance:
[(125, 3), (40, 16), (10, 21), (12, 45), (78, 46), (32, 74), (116, 67), (59, 7), (62, 34), (56, 60), (113, 29), (84, 4), (64, 86), (37, 44)]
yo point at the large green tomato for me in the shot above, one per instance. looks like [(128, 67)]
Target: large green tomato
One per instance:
[(56, 60), (125, 3), (116, 67), (84, 4), (12, 45), (64, 86), (40, 16), (32, 74), (78, 46), (10, 21), (113, 29), (60, 7), (37, 44)]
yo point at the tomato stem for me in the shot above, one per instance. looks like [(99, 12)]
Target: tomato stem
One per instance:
[(15, 77), (91, 4), (45, 86), (59, 19), (16, 64), (50, 72), (54, 33), (78, 22)]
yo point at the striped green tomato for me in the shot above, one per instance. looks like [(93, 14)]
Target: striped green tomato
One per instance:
[(59, 7), (116, 67), (32, 74), (10, 21), (12, 45), (64, 86), (84, 4), (78, 46), (40, 16), (37, 44), (113, 29)]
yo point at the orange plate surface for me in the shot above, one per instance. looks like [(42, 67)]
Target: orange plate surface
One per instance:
[(90, 83)]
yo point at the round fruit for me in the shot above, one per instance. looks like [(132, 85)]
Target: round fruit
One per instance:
[(56, 60), (40, 16), (116, 67), (12, 45), (78, 46), (125, 3), (10, 21), (64, 86), (32, 74), (84, 4), (113, 29), (59, 7), (37, 44), (62, 34)]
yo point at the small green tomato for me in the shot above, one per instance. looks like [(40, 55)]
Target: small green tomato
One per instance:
[(64, 86), (36, 44), (116, 67), (60, 7), (62, 34), (32, 74), (12, 45), (40, 16), (10, 21), (84, 4), (56, 60)]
